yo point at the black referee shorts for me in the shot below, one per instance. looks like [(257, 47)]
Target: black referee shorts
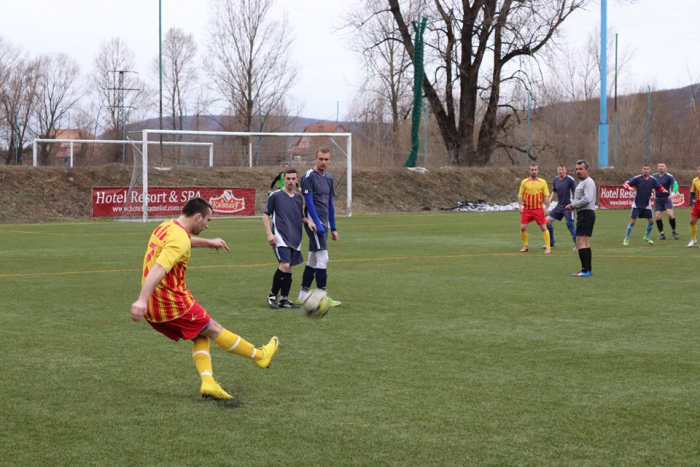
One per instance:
[(585, 220)]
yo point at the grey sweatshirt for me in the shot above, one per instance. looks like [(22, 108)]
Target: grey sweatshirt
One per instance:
[(584, 196)]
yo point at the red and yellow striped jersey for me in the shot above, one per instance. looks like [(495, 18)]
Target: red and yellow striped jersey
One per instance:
[(170, 246), (533, 192), (695, 188)]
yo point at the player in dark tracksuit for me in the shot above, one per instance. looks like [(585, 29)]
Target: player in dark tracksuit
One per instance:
[(663, 201), (641, 207), (564, 186)]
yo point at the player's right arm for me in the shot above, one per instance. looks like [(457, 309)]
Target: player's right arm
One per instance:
[(139, 307), (271, 239), (520, 195)]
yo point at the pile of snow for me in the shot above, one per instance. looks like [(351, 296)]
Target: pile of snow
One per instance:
[(480, 206)]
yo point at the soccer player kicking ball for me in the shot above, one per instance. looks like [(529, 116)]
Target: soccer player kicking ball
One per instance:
[(283, 218), (169, 306), (533, 193), (695, 213), (641, 206)]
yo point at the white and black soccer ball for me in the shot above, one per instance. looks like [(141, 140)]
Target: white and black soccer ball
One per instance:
[(316, 303)]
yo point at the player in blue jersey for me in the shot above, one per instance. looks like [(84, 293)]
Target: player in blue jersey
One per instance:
[(664, 201), (317, 188), (283, 218), (564, 186), (641, 206)]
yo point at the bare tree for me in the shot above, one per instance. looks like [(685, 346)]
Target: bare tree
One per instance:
[(387, 67), (118, 89), (57, 92), (248, 58), (478, 45), (17, 98), (179, 73)]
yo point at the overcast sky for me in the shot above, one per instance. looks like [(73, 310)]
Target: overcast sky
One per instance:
[(664, 34)]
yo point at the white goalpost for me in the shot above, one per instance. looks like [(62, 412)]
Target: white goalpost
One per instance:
[(114, 141), (347, 151)]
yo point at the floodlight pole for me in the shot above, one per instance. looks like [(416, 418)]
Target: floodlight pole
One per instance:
[(603, 128)]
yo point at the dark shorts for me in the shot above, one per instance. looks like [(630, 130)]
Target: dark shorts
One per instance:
[(585, 220), (187, 326), (643, 213), (560, 212), (663, 204), (285, 254), (317, 241), (530, 215)]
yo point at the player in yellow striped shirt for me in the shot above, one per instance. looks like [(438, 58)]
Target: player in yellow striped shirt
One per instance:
[(532, 195), (695, 213), (169, 306)]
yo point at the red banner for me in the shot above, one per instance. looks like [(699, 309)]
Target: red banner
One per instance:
[(168, 202), (617, 197)]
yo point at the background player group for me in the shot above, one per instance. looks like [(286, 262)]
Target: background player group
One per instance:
[(284, 216), (534, 194)]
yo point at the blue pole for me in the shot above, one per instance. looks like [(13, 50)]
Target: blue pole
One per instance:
[(648, 125), (603, 129), (257, 149), (527, 156), (615, 124)]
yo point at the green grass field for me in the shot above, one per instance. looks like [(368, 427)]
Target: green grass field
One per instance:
[(450, 348)]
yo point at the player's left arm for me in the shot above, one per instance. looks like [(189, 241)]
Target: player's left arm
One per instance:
[(546, 198), (659, 187), (215, 243), (331, 219)]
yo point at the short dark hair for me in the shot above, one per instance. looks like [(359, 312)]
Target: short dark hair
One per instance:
[(322, 151), (291, 170), (197, 206), (585, 163), (562, 165)]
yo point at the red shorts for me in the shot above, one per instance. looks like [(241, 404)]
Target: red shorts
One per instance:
[(530, 215), (696, 210), (187, 326)]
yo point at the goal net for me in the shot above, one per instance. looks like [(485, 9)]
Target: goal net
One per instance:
[(242, 149)]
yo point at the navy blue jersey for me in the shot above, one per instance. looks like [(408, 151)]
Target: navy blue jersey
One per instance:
[(564, 188), (667, 181), (320, 186), (286, 214), (644, 188)]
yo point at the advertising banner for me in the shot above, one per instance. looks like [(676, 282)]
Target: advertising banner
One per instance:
[(168, 201), (617, 197)]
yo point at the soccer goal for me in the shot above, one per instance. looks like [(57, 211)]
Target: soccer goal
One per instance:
[(297, 149)]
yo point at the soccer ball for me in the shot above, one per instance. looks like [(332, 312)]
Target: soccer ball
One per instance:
[(316, 303)]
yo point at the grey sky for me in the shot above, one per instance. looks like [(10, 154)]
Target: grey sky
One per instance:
[(664, 34)]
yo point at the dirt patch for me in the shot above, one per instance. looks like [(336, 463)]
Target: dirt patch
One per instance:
[(29, 194)]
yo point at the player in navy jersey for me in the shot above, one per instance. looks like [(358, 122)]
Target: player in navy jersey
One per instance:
[(283, 218), (317, 188), (664, 201), (564, 186), (641, 207)]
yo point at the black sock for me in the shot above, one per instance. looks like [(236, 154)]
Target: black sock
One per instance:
[(286, 284), (308, 277), (321, 278), (582, 257), (589, 259), (276, 282), (672, 221), (660, 225)]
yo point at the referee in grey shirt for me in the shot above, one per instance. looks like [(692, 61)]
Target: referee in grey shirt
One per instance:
[(584, 205)]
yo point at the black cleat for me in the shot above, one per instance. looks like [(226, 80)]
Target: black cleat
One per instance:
[(272, 301), (284, 303)]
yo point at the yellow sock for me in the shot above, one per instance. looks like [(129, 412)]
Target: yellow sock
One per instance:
[(523, 235), (694, 231), (235, 344), (202, 359), (545, 235)]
